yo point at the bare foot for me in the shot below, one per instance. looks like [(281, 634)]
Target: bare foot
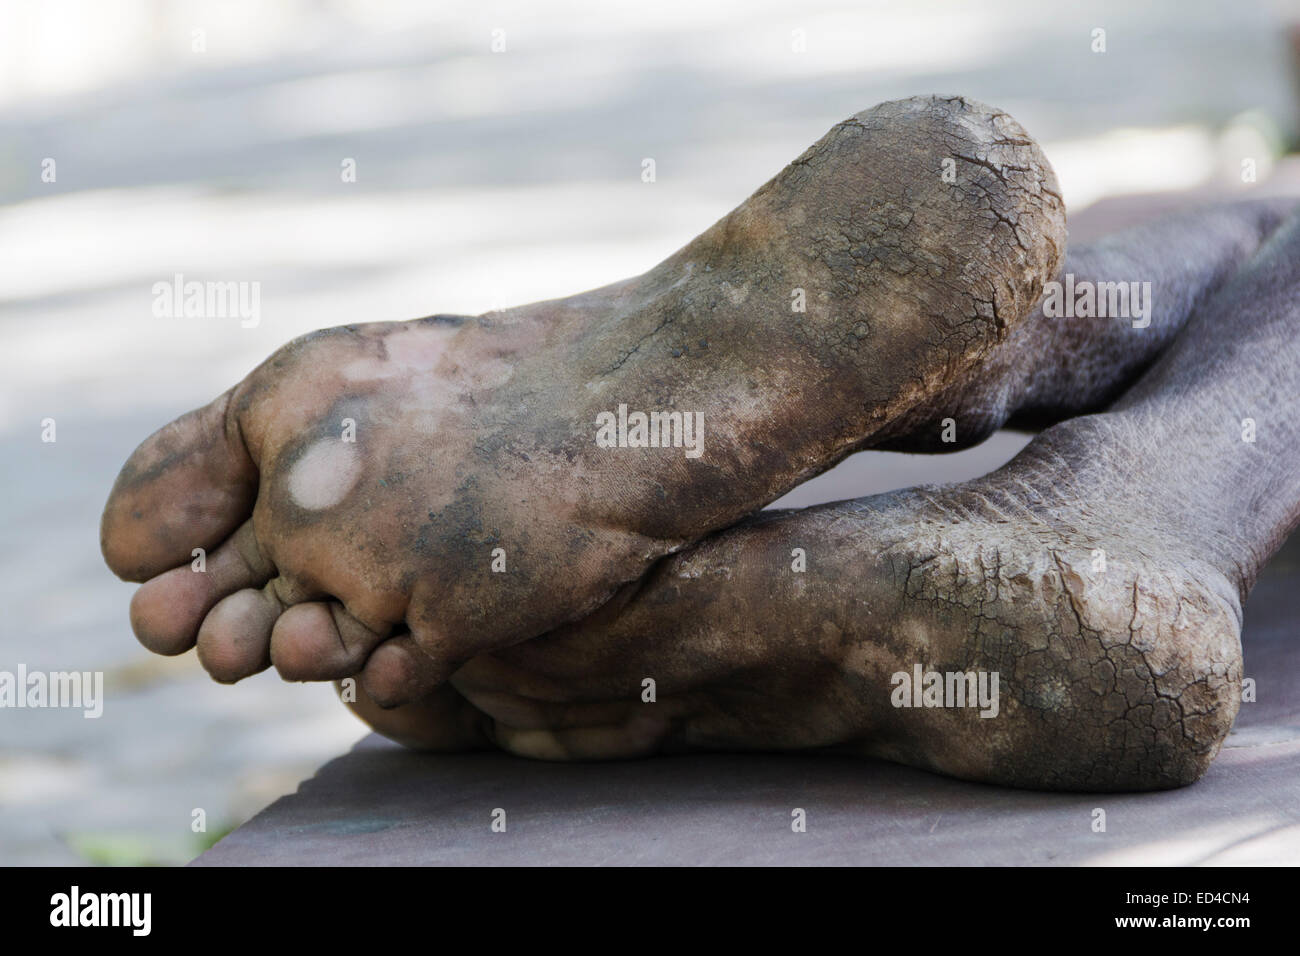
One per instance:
[(1099, 575), (477, 507)]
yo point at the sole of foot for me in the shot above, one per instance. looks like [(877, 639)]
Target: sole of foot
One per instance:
[(1071, 621), (1071, 650), (390, 500)]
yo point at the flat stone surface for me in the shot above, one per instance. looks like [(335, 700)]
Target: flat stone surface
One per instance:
[(381, 805)]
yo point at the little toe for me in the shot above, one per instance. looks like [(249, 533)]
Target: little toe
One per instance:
[(235, 639), (188, 485), (398, 672), (167, 610), (525, 700), (320, 640), (443, 721), (522, 713)]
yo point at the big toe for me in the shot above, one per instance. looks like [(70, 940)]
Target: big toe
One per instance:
[(187, 486)]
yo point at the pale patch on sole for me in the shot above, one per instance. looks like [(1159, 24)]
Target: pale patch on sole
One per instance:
[(325, 474)]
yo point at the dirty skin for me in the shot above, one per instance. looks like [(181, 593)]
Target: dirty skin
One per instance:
[(353, 490)]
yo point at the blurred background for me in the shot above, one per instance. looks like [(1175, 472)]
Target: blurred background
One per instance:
[(497, 149)]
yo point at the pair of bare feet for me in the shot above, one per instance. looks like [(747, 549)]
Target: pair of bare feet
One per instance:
[(429, 507)]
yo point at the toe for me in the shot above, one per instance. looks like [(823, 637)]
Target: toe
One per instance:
[(320, 641), (167, 610), (522, 713), (526, 700), (398, 672), (443, 721), (235, 639), (639, 736), (189, 485)]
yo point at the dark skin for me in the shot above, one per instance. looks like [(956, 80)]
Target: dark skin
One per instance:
[(1126, 679), (373, 561), (330, 558)]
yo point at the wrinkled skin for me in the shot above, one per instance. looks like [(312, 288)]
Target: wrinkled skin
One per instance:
[(474, 438), (474, 434), (1122, 679)]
